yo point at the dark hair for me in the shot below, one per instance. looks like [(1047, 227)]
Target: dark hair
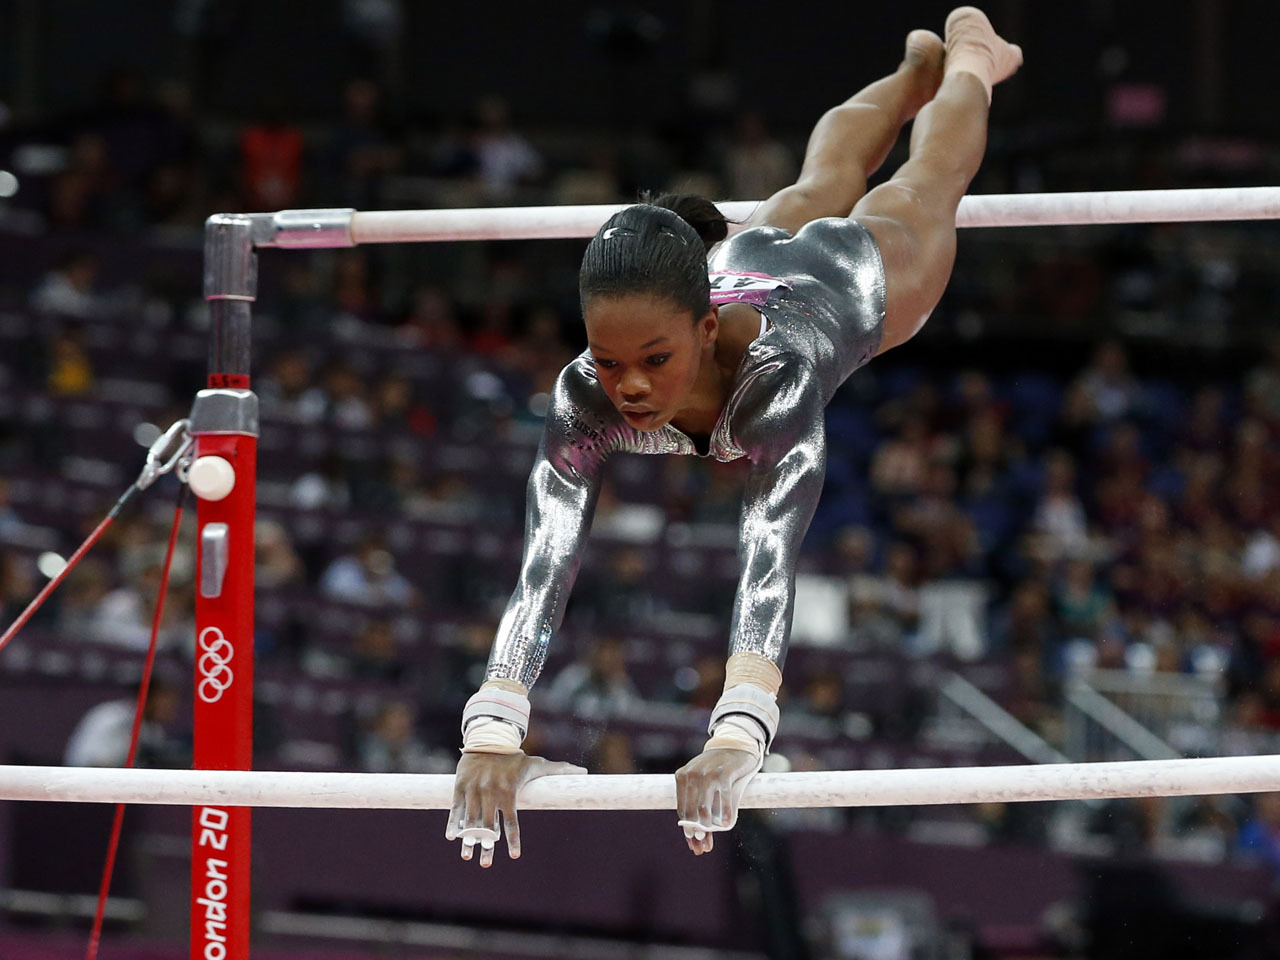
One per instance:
[(658, 246)]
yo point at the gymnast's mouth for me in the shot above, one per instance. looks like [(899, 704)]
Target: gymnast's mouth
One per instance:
[(639, 418)]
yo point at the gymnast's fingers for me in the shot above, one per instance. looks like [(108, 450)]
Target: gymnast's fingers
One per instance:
[(455, 815), (511, 822), (468, 828)]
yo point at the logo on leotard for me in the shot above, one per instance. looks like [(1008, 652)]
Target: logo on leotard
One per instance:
[(728, 286)]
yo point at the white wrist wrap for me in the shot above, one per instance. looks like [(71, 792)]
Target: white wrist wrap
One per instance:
[(495, 721), (736, 732), (746, 700), (491, 735)]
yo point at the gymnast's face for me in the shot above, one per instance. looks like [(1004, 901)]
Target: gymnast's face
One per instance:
[(647, 352)]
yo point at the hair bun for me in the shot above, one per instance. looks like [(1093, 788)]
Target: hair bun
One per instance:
[(699, 212)]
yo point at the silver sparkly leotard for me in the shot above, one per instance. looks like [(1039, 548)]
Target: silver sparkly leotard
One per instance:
[(822, 293)]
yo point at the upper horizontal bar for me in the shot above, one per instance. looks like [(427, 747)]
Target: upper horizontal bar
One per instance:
[(856, 788), (344, 228)]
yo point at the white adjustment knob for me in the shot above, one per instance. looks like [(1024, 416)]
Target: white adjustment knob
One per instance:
[(211, 478)]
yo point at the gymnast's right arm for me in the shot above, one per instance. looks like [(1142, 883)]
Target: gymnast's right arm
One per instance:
[(561, 497)]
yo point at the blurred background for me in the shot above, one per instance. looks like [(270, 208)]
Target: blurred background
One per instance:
[(1050, 528)]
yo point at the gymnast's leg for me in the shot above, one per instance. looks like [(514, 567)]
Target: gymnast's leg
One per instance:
[(913, 215), (851, 141)]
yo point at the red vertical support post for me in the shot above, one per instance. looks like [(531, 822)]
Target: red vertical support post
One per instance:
[(223, 475)]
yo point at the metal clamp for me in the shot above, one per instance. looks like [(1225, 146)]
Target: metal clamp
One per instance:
[(163, 455), (213, 558)]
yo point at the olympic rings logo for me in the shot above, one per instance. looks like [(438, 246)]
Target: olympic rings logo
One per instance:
[(214, 665)]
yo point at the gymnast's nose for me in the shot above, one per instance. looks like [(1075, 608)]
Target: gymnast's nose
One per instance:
[(634, 386)]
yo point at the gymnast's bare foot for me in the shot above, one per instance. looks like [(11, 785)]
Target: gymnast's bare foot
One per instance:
[(923, 59), (973, 46)]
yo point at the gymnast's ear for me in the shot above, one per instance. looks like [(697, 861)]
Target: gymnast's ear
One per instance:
[(709, 326)]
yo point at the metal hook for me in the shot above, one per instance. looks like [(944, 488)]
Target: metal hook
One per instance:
[(165, 453)]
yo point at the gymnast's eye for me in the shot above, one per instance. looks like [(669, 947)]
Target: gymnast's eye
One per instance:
[(659, 359), (605, 364)]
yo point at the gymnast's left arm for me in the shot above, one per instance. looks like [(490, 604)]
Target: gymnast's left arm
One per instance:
[(782, 431)]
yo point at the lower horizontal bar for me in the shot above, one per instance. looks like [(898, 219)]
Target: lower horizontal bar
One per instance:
[(842, 788)]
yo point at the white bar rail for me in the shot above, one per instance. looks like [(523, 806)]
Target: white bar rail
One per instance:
[(990, 210), (845, 788)]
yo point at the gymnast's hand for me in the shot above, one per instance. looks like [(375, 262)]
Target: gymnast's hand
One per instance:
[(708, 790), (485, 785)]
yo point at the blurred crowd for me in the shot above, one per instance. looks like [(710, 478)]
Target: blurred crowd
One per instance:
[(141, 156), (1103, 514)]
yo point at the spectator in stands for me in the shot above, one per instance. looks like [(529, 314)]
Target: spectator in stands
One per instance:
[(444, 498), (70, 369), (899, 466), (539, 353), (391, 744), (375, 655), (289, 392), (1262, 386), (1132, 826), (886, 609), (1074, 426), (1244, 733), (70, 288), (1026, 623), (598, 685), (124, 616), (613, 754), (1060, 525), (934, 520), (491, 336), (17, 585), (10, 523), (982, 443), (1210, 825), (975, 402), (720, 500), (432, 324), (1262, 551), (1012, 823), (505, 160), (396, 411), (84, 192), (823, 697), (618, 591), (1204, 430), (854, 551), (325, 487), (80, 597), (368, 576), (173, 181), (276, 563), (1082, 603), (364, 149), (101, 738), (354, 294), (1111, 388), (271, 161), (348, 405), (698, 686), (1268, 687), (757, 165), (1260, 834), (1032, 695), (465, 655)]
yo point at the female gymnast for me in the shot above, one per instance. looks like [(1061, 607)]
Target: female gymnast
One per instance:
[(733, 349)]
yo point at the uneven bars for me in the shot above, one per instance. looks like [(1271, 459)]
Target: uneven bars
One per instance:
[(848, 788), (990, 210)]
